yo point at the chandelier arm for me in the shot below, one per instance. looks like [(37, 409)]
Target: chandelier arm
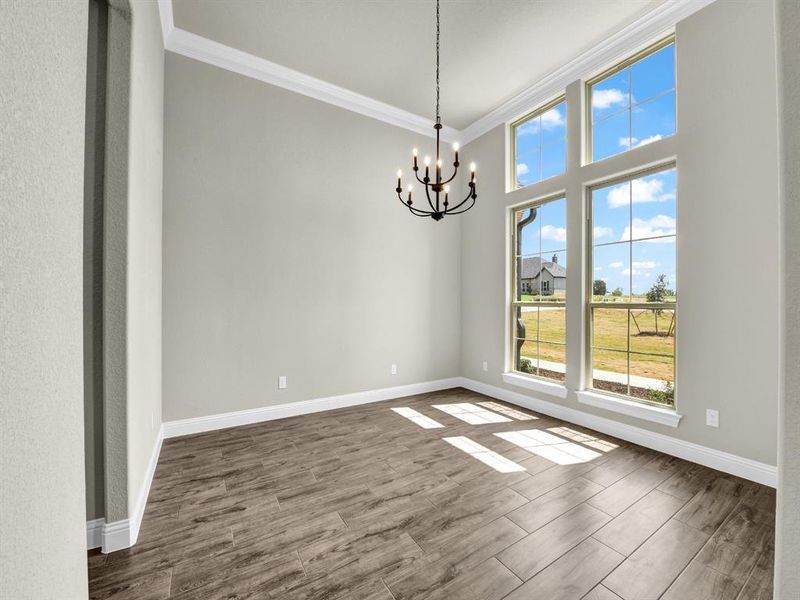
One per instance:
[(428, 194), (455, 212), (414, 210), (469, 195), (418, 213), (422, 181), (451, 178)]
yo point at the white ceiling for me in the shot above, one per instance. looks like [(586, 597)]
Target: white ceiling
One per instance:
[(384, 49)]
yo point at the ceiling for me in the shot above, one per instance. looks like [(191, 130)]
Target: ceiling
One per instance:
[(384, 49)]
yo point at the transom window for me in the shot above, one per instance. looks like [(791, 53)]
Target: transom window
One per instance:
[(538, 306), (634, 298), (633, 104), (540, 144)]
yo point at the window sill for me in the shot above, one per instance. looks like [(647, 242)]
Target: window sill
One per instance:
[(539, 385), (663, 416)]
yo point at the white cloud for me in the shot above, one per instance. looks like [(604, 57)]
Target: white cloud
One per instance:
[(615, 265), (529, 128), (650, 140), (557, 234), (636, 142), (552, 118), (641, 191), (645, 228), (607, 98), (522, 169), (644, 264), (598, 268), (601, 232)]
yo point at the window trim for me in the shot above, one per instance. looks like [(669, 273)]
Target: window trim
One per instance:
[(511, 375), (620, 66), (512, 128), (604, 398)]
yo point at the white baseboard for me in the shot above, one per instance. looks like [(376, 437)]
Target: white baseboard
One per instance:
[(281, 411), (716, 459), (144, 491), (94, 533), (122, 534)]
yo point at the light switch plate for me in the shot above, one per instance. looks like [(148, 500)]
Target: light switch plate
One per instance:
[(282, 382), (712, 417), (394, 369), (485, 366)]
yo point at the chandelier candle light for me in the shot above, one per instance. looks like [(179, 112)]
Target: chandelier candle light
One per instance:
[(437, 186)]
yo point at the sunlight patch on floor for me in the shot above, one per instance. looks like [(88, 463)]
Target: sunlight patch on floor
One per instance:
[(585, 439), (549, 446), (508, 412), (472, 413), (488, 457), (417, 417)]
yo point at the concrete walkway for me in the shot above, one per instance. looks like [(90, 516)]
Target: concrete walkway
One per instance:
[(636, 380)]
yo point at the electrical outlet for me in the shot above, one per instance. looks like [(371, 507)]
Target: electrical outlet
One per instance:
[(712, 417), (394, 369), (485, 366), (282, 382)]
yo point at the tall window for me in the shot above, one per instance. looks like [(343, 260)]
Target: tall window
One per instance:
[(538, 307), (540, 146), (634, 297), (633, 104)]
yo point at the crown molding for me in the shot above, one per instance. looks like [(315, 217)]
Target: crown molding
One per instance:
[(628, 40), (657, 22), (225, 57), (167, 19)]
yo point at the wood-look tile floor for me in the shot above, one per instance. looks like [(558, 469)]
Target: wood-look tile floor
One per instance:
[(364, 503)]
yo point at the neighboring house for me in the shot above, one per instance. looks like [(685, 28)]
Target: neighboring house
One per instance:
[(551, 275)]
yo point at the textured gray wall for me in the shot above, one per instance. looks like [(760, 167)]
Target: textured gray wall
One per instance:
[(787, 575), (145, 163), (727, 222), (93, 259), (42, 94), (115, 260), (287, 253), (132, 251)]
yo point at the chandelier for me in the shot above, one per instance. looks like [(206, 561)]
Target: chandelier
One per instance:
[(436, 187)]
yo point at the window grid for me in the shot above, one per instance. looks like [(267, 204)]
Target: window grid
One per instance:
[(625, 65), (629, 305), (518, 288), (517, 125)]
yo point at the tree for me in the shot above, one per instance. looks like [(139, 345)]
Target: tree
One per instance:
[(617, 292), (599, 287), (659, 291)]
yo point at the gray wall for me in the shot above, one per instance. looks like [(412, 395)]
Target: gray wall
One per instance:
[(145, 182), (42, 92), (727, 194), (132, 217), (787, 575), (93, 259), (286, 251)]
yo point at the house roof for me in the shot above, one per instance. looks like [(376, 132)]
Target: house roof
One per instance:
[(533, 265)]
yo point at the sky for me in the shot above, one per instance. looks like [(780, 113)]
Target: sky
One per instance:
[(631, 108)]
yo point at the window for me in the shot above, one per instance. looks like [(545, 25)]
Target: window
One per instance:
[(634, 300), (539, 144), (538, 307), (633, 104)]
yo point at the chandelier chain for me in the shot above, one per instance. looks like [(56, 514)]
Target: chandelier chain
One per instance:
[(438, 119)]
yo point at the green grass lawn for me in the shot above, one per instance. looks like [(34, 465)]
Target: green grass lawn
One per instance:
[(648, 334)]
